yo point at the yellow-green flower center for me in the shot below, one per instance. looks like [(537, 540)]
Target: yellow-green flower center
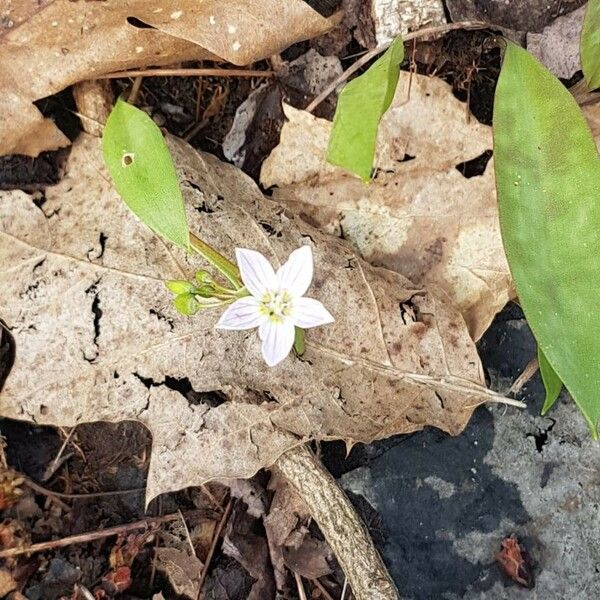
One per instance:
[(276, 305)]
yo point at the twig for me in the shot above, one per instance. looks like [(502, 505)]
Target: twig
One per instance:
[(36, 487), (344, 588), (528, 372), (339, 523), (187, 533), (377, 51), (213, 546), (300, 586), (188, 73), (322, 589), (84, 538), (135, 89)]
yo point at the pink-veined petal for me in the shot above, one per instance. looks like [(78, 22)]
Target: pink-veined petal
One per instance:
[(297, 273), (242, 314), (308, 312), (256, 271), (278, 339)]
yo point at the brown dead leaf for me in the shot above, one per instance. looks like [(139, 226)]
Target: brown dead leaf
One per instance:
[(420, 216), (182, 570), (55, 44), (250, 550), (81, 288)]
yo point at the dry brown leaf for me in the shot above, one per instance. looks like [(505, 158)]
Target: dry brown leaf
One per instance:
[(420, 216), (181, 569), (81, 287), (60, 42)]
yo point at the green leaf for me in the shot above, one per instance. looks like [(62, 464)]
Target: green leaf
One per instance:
[(552, 382), (360, 107), (548, 180), (143, 173), (590, 44), (186, 304), (179, 286)]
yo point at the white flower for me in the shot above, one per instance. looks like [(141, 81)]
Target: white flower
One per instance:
[(276, 305)]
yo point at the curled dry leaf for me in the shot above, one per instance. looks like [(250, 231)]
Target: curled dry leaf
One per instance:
[(52, 45), (81, 287), (423, 215)]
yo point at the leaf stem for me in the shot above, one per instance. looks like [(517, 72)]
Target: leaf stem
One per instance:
[(217, 260)]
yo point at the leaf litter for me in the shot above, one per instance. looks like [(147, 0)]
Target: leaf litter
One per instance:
[(59, 43), (397, 359), (426, 215)]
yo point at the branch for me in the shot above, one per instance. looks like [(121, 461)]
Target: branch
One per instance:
[(339, 523)]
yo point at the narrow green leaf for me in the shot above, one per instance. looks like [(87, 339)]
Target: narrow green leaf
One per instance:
[(179, 286), (186, 304), (552, 382), (590, 44), (548, 181), (360, 107), (140, 165)]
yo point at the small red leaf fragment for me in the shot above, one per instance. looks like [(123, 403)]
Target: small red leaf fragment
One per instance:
[(516, 562)]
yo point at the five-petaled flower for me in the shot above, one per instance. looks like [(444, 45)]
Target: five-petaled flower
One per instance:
[(276, 304)]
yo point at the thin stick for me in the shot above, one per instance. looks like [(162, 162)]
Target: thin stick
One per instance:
[(36, 487), (344, 588), (187, 532), (322, 589), (300, 586), (188, 73), (377, 51), (213, 546), (135, 89), (84, 538), (528, 372)]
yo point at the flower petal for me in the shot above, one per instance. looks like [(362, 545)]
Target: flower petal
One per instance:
[(256, 271), (297, 273), (278, 339), (308, 312), (242, 314)]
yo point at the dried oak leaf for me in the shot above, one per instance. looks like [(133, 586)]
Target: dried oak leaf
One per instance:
[(81, 287), (55, 44), (422, 216)]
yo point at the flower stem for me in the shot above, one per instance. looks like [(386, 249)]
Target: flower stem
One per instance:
[(217, 260)]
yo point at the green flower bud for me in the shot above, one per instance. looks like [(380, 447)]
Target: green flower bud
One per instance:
[(203, 277), (179, 286), (186, 304)]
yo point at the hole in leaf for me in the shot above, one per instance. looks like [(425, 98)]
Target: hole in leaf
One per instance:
[(7, 352), (139, 24), (476, 166), (128, 159)]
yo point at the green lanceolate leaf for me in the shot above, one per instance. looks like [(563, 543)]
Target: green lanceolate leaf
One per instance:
[(360, 107), (590, 44), (143, 173), (548, 182), (552, 382)]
